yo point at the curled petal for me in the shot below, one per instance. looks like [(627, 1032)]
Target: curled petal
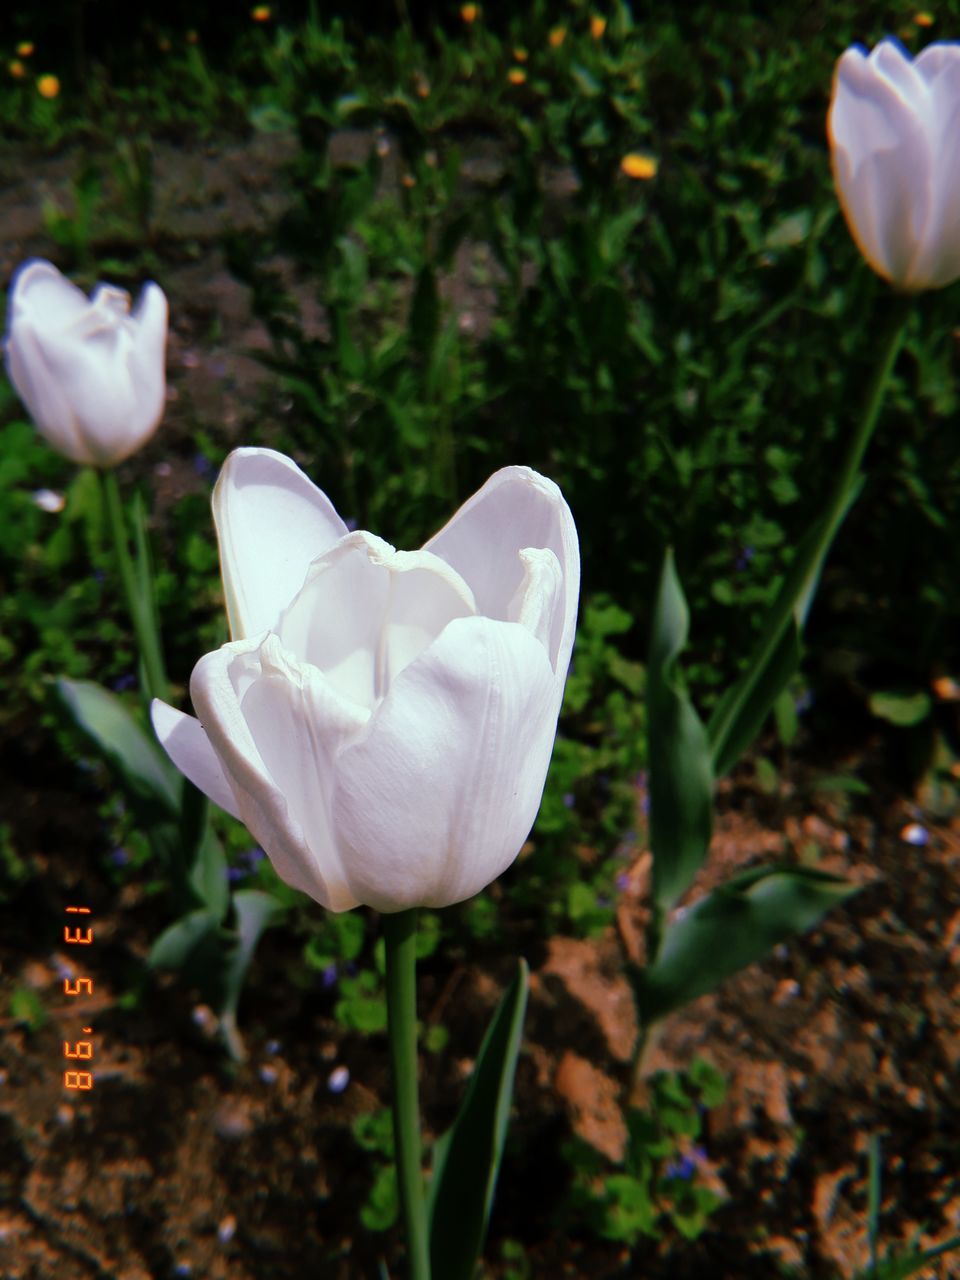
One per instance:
[(517, 508), (366, 611)]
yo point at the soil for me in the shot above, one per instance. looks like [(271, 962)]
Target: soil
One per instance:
[(179, 1163)]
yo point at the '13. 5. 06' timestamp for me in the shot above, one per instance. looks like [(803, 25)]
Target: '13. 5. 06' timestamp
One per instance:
[(82, 1049)]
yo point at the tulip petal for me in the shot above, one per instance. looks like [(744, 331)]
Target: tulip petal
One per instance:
[(881, 152), (939, 262), (366, 611), (43, 394), (437, 797), (272, 521), (183, 739), (275, 726), (516, 509)]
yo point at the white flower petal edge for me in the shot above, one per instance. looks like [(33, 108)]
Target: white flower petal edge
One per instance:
[(893, 129), (189, 748), (272, 521)]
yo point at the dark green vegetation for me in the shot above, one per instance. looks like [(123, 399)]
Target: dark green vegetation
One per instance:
[(457, 274)]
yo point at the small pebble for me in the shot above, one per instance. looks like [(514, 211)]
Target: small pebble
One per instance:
[(914, 833), (227, 1229), (339, 1079), (49, 501)]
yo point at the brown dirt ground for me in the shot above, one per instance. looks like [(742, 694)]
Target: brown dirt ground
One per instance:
[(178, 1163)]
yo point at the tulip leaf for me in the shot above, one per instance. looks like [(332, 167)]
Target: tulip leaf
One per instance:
[(255, 911), (909, 1263), (208, 874), (746, 704), (467, 1157), (128, 747), (730, 928), (175, 946), (681, 778), (740, 713)]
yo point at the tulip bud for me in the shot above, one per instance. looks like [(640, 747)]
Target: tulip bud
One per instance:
[(895, 150), (90, 371), (382, 720)]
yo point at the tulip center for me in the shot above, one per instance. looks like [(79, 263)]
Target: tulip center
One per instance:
[(366, 611)]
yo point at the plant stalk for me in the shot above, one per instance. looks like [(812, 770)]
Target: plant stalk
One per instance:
[(148, 641), (400, 937)]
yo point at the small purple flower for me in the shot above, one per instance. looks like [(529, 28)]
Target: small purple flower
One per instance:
[(351, 523), (273, 1047), (203, 466), (568, 800), (623, 881), (687, 1164), (253, 856), (744, 558), (804, 702), (119, 856), (98, 575), (234, 874), (329, 977), (122, 683)]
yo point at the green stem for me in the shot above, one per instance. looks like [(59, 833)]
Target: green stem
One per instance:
[(796, 591), (148, 641), (400, 937)]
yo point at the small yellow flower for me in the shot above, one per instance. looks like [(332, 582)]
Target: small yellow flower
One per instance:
[(520, 55), (598, 26), (635, 165), (923, 19), (192, 37), (17, 69), (557, 37), (469, 13), (163, 44), (421, 85), (25, 49), (261, 13), (48, 86), (408, 180), (517, 75)]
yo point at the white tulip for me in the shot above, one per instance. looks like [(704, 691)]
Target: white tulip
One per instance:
[(90, 371), (382, 720), (894, 129)]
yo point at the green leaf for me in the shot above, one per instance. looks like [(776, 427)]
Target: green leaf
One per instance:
[(901, 709), (730, 928), (136, 755), (255, 911), (467, 1157), (681, 780), (175, 946), (208, 876), (745, 706), (910, 1263)]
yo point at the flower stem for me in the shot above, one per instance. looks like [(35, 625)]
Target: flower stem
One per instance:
[(400, 937), (141, 614)]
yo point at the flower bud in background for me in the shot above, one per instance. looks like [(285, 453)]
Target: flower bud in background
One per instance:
[(382, 720), (894, 130), (90, 371)]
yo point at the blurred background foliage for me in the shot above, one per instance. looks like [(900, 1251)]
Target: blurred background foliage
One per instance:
[(598, 240)]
